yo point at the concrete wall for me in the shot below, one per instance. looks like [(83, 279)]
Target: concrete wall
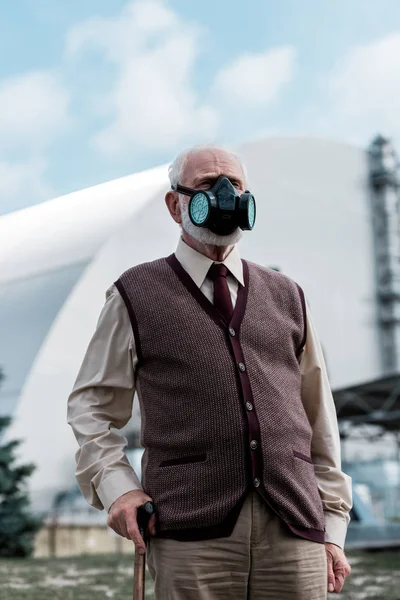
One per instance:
[(74, 540)]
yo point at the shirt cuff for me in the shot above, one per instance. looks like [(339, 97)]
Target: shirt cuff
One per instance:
[(115, 485), (335, 528)]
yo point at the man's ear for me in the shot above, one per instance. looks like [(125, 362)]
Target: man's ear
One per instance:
[(173, 205)]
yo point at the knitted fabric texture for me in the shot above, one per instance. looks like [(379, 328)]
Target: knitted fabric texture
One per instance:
[(195, 431), (271, 333)]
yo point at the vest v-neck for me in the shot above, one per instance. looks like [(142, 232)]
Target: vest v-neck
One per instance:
[(194, 290)]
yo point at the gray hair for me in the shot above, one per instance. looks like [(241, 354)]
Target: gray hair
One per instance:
[(177, 167)]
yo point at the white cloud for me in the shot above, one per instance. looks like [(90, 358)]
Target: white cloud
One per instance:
[(139, 25), (153, 104), (33, 111), (22, 184), (145, 57), (361, 94), (256, 79)]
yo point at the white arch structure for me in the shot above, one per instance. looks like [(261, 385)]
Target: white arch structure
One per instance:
[(313, 222)]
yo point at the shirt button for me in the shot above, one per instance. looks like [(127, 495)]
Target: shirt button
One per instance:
[(232, 331), (249, 406), (253, 444), (256, 482), (241, 367)]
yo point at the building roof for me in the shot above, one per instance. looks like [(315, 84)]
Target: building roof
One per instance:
[(375, 402), (69, 229)]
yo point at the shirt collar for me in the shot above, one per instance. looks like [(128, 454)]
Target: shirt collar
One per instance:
[(197, 265)]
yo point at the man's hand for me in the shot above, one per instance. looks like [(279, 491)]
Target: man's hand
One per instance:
[(122, 517), (338, 567)]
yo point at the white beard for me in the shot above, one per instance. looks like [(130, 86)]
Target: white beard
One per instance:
[(204, 235)]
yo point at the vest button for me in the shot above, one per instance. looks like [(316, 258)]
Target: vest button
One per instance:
[(253, 444), (241, 367), (232, 331), (256, 482), (249, 406)]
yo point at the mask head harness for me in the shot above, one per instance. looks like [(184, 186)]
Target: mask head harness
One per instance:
[(221, 209)]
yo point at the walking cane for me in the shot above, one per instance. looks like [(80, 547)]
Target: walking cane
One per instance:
[(139, 574)]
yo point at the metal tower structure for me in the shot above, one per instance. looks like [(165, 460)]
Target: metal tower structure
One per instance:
[(385, 185)]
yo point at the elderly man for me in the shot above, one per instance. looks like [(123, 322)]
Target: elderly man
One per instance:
[(242, 452)]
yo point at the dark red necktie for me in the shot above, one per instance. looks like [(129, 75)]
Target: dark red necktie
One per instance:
[(222, 295)]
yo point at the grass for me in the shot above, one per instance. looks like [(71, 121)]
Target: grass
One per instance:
[(89, 577), (98, 577)]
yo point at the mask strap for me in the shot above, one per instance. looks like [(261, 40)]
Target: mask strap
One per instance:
[(183, 190)]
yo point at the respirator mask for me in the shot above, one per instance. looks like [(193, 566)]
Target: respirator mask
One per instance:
[(220, 209)]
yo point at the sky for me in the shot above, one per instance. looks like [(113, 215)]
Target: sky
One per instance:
[(95, 90)]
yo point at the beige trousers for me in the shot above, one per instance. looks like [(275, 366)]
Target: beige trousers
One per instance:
[(261, 560)]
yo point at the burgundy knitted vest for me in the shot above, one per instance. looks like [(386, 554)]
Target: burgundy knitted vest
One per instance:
[(221, 402)]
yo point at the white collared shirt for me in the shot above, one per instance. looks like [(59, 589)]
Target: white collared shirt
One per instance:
[(103, 393), (197, 266)]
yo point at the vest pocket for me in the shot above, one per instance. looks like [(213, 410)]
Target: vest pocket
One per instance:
[(302, 456), (184, 460)]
